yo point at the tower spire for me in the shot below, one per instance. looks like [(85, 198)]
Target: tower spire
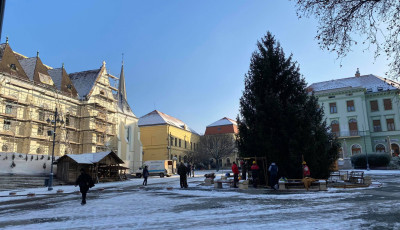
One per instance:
[(121, 85)]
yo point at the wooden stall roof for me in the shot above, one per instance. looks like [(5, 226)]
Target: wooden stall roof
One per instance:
[(91, 158)]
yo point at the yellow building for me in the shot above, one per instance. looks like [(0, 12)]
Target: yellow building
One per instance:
[(165, 137), (94, 116)]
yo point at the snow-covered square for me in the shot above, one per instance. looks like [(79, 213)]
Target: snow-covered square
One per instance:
[(164, 205)]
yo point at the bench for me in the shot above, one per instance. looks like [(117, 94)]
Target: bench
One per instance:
[(218, 183), (356, 177), (339, 175), (318, 184)]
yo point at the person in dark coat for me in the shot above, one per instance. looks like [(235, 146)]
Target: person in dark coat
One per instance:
[(273, 175), (235, 171), (182, 171), (254, 173), (85, 182), (145, 175)]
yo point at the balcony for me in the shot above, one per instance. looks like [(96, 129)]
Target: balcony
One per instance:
[(349, 134)]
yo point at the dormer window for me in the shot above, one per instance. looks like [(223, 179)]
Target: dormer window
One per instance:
[(13, 67)]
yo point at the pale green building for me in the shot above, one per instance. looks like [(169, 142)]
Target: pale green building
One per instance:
[(363, 112)]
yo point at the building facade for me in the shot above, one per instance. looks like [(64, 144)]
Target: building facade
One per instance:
[(363, 112), (165, 137), (225, 126), (93, 116)]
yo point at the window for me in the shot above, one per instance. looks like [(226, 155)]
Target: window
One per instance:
[(353, 127), (185, 144), (374, 105), (128, 134), (390, 124), (41, 115), (7, 124), (180, 143), (171, 140), (387, 104), (4, 148), (67, 120), (350, 106), (191, 145), (102, 92), (355, 149), (380, 148), (377, 125), (40, 130), (333, 107), (13, 67), (335, 128), (99, 138), (176, 141), (8, 109), (194, 146)]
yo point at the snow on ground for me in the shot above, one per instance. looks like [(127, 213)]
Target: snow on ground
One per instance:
[(129, 205)]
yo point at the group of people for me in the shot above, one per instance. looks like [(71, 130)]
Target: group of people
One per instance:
[(272, 170), (254, 173), (85, 181)]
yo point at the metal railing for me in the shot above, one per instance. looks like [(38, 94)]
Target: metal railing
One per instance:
[(351, 133)]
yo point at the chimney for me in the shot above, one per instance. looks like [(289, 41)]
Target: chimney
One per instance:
[(357, 73)]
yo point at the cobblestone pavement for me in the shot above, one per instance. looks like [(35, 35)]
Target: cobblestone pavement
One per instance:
[(162, 205)]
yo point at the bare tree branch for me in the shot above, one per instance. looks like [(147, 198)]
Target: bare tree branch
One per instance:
[(377, 22)]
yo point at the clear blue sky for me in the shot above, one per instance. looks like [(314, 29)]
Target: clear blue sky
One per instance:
[(185, 58)]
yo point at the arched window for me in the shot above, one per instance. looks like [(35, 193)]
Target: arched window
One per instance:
[(335, 128), (379, 148), (128, 132), (228, 161), (355, 149), (353, 127), (395, 149), (4, 148)]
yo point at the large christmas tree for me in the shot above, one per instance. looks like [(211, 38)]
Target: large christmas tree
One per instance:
[(279, 119)]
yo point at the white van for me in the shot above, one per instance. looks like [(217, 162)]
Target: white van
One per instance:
[(156, 168)]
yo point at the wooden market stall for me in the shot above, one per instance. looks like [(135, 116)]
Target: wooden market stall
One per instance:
[(101, 166)]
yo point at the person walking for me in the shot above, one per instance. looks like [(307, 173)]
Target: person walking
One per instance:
[(182, 171), (145, 175), (85, 182), (306, 170), (273, 175), (235, 171), (254, 173)]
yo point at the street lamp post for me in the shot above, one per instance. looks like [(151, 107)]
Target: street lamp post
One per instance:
[(366, 154), (56, 119)]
